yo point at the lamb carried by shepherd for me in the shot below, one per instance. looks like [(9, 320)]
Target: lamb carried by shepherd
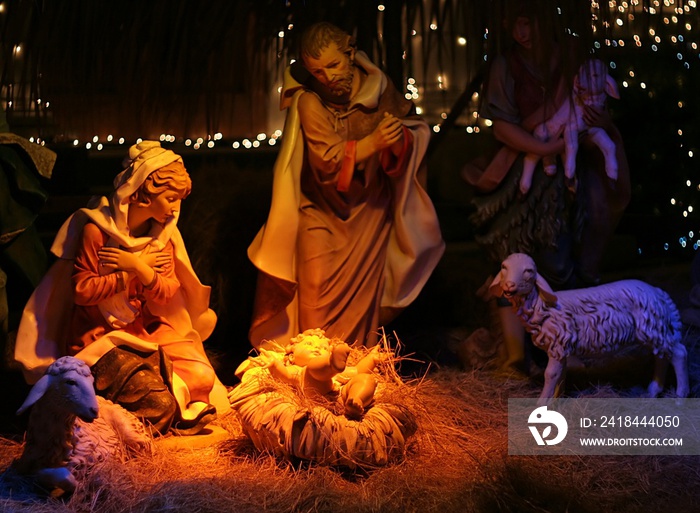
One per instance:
[(592, 86), (593, 321)]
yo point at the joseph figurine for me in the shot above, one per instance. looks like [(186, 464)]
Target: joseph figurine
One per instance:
[(352, 236)]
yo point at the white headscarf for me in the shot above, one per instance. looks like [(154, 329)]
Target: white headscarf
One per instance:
[(110, 215)]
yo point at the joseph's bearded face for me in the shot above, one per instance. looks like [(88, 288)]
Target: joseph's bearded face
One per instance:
[(333, 69)]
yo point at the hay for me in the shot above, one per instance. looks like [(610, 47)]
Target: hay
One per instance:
[(456, 462), (284, 422)]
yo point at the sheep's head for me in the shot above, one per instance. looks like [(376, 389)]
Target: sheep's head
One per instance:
[(71, 385), (593, 83), (517, 279)]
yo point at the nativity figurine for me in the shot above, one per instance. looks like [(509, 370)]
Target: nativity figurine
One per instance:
[(592, 86), (124, 298), (318, 366), (531, 75), (352, 235), (593, 321), (71, 429), (320, 400)]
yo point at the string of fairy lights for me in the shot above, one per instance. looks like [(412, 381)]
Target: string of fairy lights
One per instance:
[(199, 143), (670, 28)]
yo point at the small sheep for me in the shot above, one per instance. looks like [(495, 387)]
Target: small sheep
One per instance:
[(593, 321), (71, 429), (591, 87)]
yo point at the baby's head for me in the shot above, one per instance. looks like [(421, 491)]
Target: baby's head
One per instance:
[(307, 345)]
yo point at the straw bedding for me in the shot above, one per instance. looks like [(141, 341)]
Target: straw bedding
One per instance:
[(456, 461), (282, 421)]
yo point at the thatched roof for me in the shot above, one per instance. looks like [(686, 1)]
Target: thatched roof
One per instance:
[(193, 68)]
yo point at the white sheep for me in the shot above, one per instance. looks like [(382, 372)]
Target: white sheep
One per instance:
[(593, 321), (591, 87), (71, 429)]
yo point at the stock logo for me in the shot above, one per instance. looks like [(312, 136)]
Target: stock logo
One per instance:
[(545, 419)]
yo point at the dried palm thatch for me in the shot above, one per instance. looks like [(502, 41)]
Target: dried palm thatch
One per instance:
[(195, 68), (456, 462)]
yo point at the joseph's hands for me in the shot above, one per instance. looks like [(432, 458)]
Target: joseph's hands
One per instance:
[(388, 132)]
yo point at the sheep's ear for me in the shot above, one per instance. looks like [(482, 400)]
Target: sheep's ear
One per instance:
[(37, 391), (545, 291), (495, 288), (611, 87)]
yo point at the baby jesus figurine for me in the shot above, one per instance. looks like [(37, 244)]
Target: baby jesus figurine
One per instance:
[(318, 367)]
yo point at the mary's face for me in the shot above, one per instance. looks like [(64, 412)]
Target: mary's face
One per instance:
[(164, 205), (333, 69)]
